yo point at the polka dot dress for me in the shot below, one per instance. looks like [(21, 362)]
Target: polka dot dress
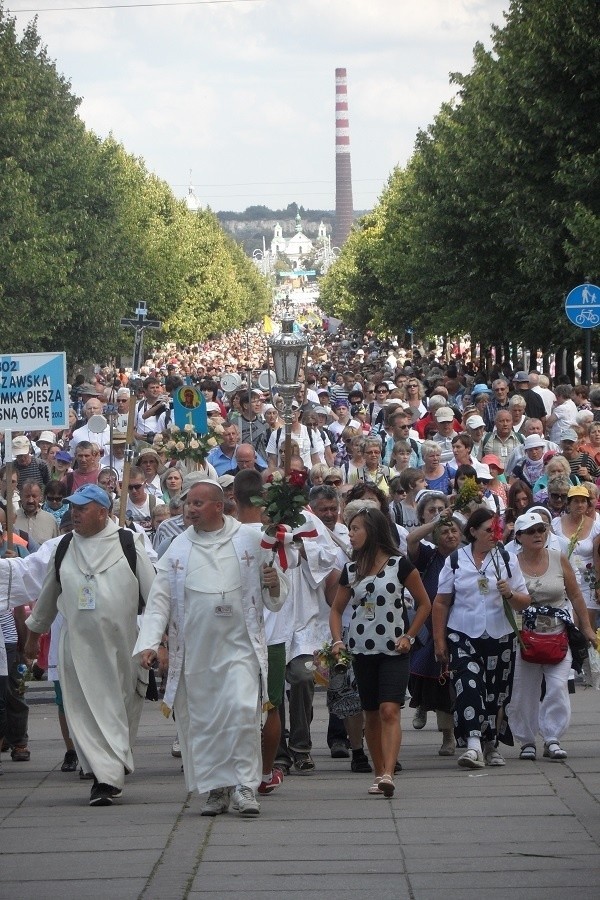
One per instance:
[(384, 590)]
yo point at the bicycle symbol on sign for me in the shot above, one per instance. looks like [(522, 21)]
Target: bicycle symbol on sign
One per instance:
[(587, 316)]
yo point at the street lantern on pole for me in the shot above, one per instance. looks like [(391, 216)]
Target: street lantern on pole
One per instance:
[(287, 350)]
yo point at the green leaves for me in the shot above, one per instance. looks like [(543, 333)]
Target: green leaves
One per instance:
[(496, 216), (86, 231)]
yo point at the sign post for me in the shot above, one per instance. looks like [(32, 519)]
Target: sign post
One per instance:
[(582, 307), (33, 397)]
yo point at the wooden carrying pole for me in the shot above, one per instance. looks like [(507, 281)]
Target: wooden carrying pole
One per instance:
[(128, 458), (10, 513)]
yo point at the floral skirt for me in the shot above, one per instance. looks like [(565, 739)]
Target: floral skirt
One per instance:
[(482, 671)]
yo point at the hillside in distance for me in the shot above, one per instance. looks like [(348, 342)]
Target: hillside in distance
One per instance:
[(250, 226)]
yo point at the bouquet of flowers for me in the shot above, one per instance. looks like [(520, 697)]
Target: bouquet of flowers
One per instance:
[(283, 501), (324, 660), (186, 445), (470, 492)]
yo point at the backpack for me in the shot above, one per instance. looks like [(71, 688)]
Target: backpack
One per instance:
[(127, 546)]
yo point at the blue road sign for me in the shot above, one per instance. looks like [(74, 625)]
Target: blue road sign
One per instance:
[(582, 306)]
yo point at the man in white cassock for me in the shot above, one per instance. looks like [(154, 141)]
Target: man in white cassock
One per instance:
[(310, 583), (98, 594), (209, 592)]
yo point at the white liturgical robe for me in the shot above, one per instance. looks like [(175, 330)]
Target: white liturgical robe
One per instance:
[(208, 592)]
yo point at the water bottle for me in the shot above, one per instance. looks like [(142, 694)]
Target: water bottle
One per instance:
[(22, 670)]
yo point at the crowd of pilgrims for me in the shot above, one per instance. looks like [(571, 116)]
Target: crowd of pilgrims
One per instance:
[(407, 457)]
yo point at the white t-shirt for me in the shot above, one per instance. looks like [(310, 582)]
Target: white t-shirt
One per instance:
[(566, 417), (303, 440)]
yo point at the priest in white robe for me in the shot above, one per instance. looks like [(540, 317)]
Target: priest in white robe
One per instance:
[(209, 592), (98, 594)]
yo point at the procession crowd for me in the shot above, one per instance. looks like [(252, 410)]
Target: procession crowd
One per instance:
[(448, 558)]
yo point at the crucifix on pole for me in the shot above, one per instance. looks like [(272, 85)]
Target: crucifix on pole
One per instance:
[(139, 324)]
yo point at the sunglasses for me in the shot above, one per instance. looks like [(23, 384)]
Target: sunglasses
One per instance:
[(558, 496), (53, 497), (334, 482), (135, 487)]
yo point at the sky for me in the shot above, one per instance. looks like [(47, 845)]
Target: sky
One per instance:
[(241, 93)]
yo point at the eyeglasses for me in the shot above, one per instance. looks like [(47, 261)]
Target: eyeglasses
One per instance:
[(535, 529), (558, 496), (53, 497), (135, 487)]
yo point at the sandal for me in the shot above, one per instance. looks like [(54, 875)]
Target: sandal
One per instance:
[(528, 751), (375, 789), (20, 754), (387, 786), (553, 750)]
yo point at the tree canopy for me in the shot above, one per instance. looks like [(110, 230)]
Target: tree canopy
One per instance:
[(86, 232), (496, 215)]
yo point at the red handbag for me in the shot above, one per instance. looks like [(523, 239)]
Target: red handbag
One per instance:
[(544, 649)]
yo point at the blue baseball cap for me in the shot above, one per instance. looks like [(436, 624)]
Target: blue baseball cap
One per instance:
[(480, 389), (90, 493)]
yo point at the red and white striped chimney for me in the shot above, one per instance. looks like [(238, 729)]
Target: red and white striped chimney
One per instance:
[(343, 172)]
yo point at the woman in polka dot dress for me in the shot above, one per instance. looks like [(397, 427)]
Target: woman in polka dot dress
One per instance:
[(373, 583)]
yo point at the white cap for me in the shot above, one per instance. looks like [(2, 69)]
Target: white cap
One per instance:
[(528, 520), (483, 471), (47, 436), (443, 414), (475, 422), (533, 441)]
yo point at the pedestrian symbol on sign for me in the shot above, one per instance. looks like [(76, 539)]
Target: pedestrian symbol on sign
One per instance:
[(582, 306)]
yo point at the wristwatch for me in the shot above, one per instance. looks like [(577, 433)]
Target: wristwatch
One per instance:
[(410, 639)]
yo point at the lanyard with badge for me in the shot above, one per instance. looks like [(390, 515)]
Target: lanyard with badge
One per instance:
[(87, 594), (483, 582)]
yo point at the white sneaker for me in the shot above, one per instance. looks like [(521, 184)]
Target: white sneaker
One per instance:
[(217, 802), (245, 802)]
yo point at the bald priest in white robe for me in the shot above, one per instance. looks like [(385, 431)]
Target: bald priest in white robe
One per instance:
[(103, 688), (209, 591)]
